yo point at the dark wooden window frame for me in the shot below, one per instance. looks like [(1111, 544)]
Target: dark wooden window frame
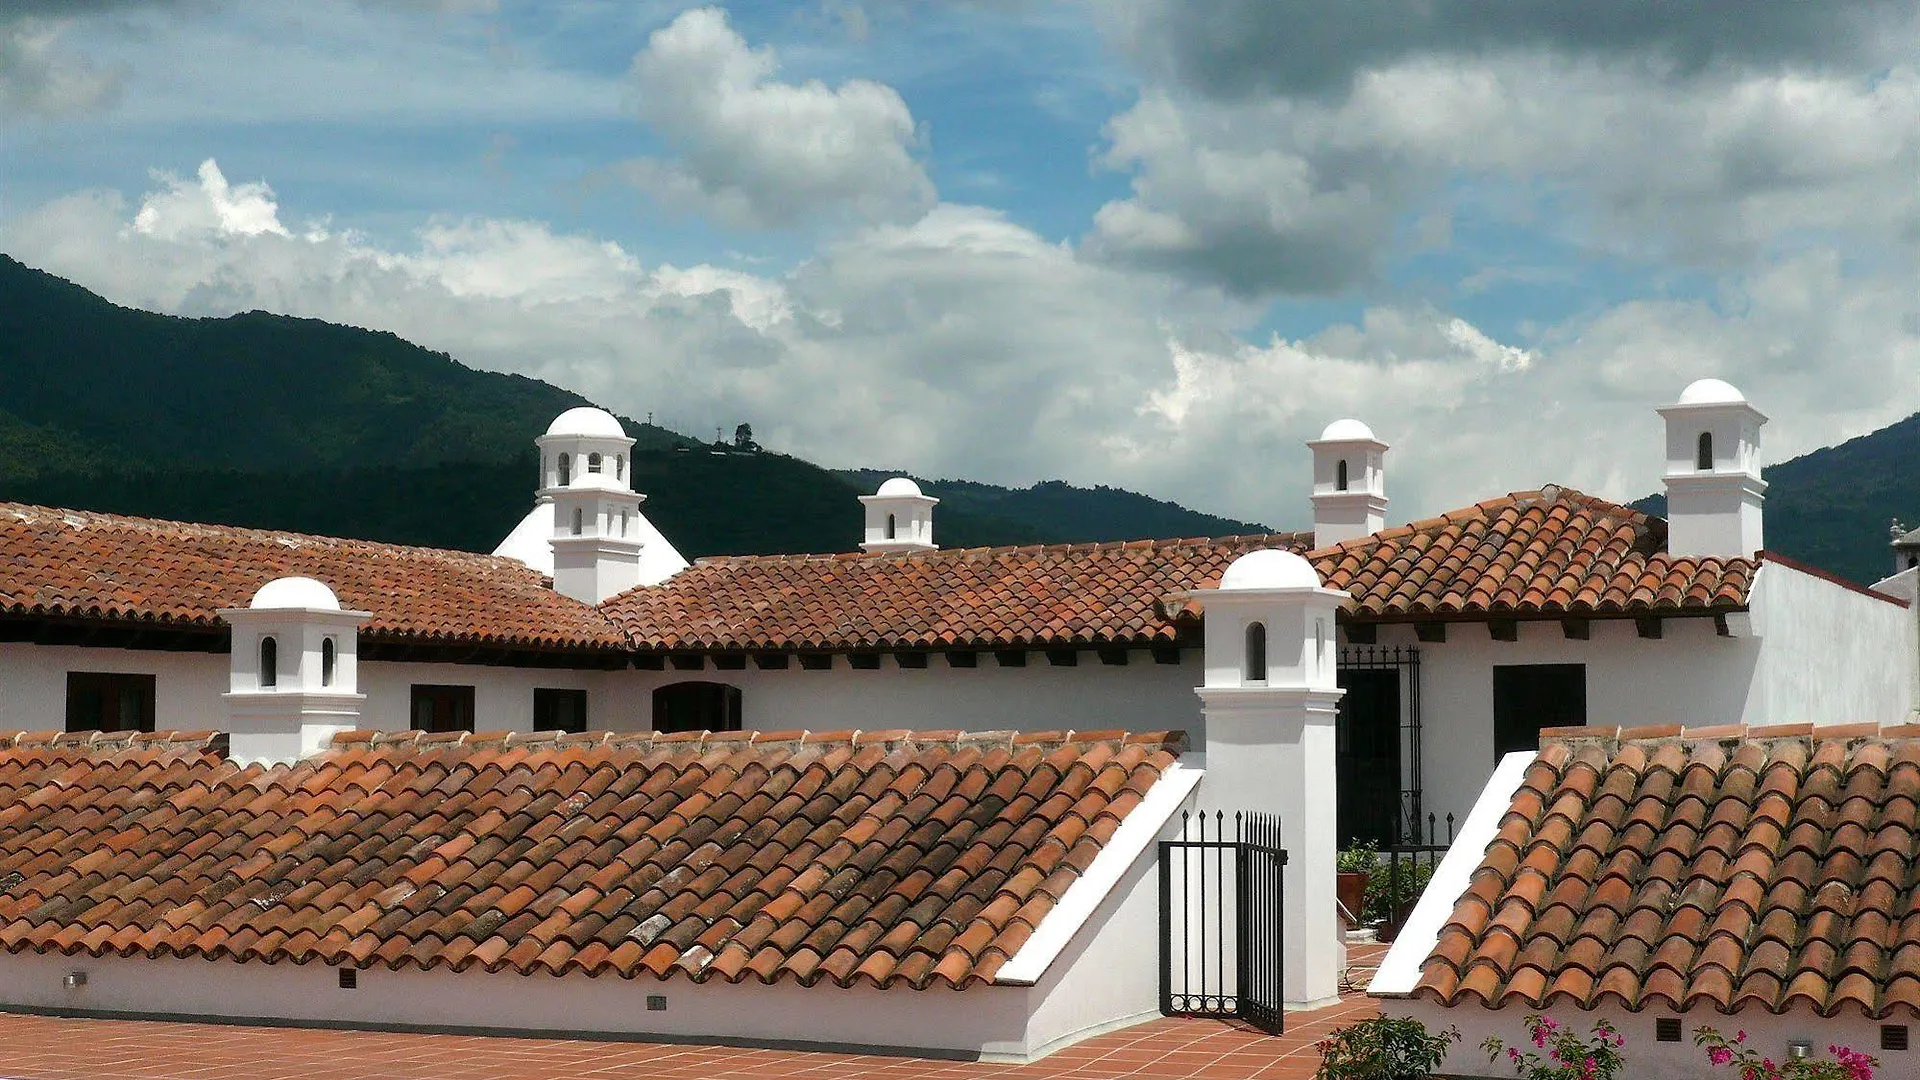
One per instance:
[(103, 700), (450, 707), (559, 709)]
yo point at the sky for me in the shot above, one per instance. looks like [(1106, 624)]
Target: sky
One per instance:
[(1156, 244)]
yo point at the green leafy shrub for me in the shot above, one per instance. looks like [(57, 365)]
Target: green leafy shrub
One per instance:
[(1750, 1064), (1560, 1054), (1383, 1048), (1361, 858), (1385, 896)]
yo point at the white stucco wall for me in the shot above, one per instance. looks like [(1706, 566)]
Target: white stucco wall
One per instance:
[(33, 684), (1831, 655), (1138, 696), (1690, 675), (982, 1019), (1669, 1061)]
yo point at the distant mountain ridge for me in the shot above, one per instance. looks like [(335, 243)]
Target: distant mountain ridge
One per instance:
[(278, 422), (1071, 514)]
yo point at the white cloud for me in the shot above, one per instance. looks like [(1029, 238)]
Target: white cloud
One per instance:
[(37, 78), (209, 208), (1670, 139), (753, 151), (963, 344)]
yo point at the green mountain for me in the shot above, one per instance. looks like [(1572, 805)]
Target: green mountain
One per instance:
[(1831, 508), (1066, 513), (275, 422)]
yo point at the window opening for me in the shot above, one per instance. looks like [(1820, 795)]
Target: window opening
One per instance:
[(559, 710), (1340, 475), (326, 662), (442, 708), (891, 529), (1703, 457), (1528, 697), (1254, 667), (563, 475), (696, 706), (109, 701), (593, 463), (269, 662), (577, 521)]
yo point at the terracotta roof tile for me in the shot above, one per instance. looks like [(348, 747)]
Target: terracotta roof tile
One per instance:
[(1726, 867), (77, 563), (1537, 554), (624, 854)]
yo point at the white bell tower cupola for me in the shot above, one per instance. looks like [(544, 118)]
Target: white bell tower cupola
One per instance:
[(585, 467), (1714, 492), (899, 518), (293, 678), (1270, 700), (1349, 483)]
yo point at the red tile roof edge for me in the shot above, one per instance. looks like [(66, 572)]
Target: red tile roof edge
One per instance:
[(1768, 555), (1009, 549), (174, 525), (1612, 737), (211, 742), (1548, 493), (215, 742), (1172, 741)]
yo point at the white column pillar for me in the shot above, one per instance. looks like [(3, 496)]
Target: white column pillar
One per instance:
[(1270, 702)]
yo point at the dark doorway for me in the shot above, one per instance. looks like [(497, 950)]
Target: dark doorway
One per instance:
[(696, 706), (1367, 756), (442, 708), (1528, 697)]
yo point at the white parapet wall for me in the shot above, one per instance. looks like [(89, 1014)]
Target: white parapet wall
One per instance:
[(1833, 652), (1647, 1057)]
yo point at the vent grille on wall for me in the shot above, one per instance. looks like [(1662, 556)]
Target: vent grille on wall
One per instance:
[(349, 978), (1893, 1036), (1666, 1029)]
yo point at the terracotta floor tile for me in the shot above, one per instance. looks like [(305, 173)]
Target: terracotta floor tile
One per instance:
[(43, 1048)]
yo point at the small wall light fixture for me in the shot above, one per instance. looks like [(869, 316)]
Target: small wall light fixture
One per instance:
[(1799, 1050), (74, 980)]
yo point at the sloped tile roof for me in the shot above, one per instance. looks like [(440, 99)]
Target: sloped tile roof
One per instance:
[(1537, 553), (1530, 554), (1061, 594), (891, 858), (1722, 868), (1551, 551), (91, 565)]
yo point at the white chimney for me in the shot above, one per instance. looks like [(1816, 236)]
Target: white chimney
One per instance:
[(1270, 700), (584, 464), (1349, 483), (292, 672), (1714, 491), (899, 518)]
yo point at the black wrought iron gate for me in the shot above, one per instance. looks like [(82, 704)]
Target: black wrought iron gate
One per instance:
[(1221, 929)]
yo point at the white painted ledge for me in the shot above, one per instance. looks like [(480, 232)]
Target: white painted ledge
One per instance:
[(1400, 972), (1135, 835)]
